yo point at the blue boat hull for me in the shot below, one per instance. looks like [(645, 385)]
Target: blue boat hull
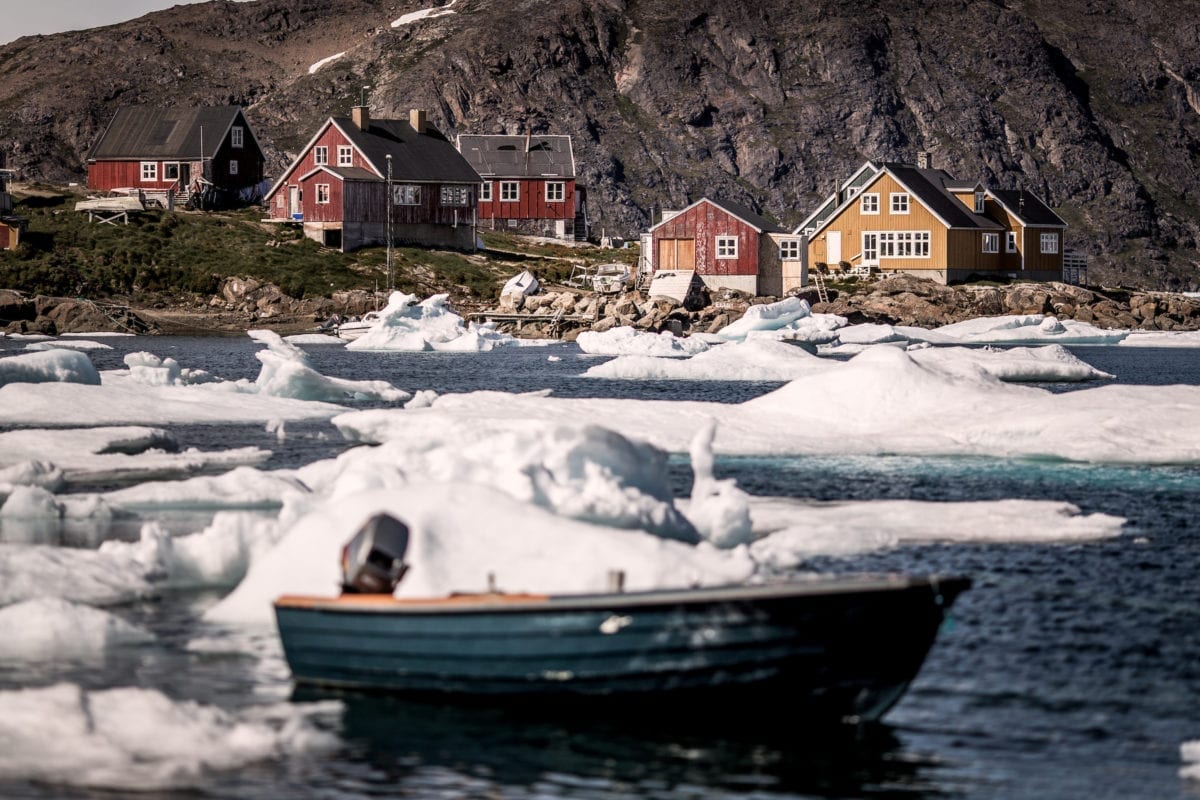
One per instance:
[(838, 647)]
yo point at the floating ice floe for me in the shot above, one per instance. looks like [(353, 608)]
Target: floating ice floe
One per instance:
[(789, 532), (882, 401), (287, 372), (57, 366), (149, 369), (408, 325), (1049, 364), (109, 454), (134, 740), (624, 340), (1017, 329), (50, 629), (751, 360), (1162, 339), (240, 488), (29, 571), (1190, 753), (766, 317), (68, 344), (313, 338)]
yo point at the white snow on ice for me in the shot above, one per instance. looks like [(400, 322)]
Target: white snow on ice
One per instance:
[(1162, 339), (70, 344), (408, 325), (287, 372), (313, 338), (49, 629), (624, 340), (66, 366), (766, 317), (136, 740), (751, 360), (1189, 752)]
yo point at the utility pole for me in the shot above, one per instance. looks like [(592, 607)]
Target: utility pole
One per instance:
[(388, 206)]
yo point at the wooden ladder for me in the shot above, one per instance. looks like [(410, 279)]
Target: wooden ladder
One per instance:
[(819, 282)]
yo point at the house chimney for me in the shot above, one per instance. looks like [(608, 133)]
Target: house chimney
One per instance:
[(924, 159), (416, 118), (361, 116)]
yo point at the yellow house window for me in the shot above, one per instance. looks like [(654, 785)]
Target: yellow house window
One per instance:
[(899, 202), (869, 204)]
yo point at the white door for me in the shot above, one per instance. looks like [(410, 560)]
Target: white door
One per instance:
[(833, 247), (870, 250), (294, 201)]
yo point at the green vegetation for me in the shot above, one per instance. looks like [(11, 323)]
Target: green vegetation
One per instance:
[(183, 254)]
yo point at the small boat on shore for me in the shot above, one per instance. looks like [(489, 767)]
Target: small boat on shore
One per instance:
[(350, 328), (836, 647)]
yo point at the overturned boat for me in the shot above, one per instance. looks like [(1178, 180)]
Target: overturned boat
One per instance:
[(837, 647)]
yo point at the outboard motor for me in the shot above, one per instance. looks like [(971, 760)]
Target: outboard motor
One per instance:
[(373, 560)]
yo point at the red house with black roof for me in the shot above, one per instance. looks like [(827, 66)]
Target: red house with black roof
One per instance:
[(357, 177), (175, 153)]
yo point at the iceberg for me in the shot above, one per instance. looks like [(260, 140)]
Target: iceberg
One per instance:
[(66, 366), (766, 317), (1162, 339), (287, 372), (408, 325), (1190, 753), (51, 629), (625, 340), (134, 740), (69, 344), (1050, 364), (1018, 329), (752, 360)]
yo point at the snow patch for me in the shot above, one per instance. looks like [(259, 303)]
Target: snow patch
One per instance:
[(424, 13), (64, 366), (312, 70)]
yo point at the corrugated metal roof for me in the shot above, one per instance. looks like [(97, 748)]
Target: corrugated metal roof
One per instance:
[(508, 157), (422, 157), (1032, 211), (151, 132)]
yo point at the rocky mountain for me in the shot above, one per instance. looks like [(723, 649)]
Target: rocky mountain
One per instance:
[(1094, 104)]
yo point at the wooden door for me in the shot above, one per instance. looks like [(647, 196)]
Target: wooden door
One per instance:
[(676, 253)]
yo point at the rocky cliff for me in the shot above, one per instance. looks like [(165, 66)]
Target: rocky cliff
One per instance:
[(1093, 104)]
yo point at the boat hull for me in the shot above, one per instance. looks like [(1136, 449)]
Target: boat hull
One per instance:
[(836, 647)]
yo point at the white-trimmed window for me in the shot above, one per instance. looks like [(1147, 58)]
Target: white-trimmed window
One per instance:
[(149, 171), (870, 247), (1011, 245), (170, 170), (345, 155), (789, 249), (897, 244), (406, 194), (235, 136), (869, 204), (991, 243), (233, 168), (485, 191), (727, 247), (320, 155), (510, 191), (322, 194), (556, 191), (980, 202), (280, 201), (899, 202), (455, 195), (1049, 242)]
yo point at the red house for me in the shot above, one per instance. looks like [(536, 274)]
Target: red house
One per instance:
[(528, 184), (727, 245), (174, 153), (339, 186), (11, 227)]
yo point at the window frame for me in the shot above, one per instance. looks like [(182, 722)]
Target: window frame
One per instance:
[(725, 246), (862, 204), (485, 192), (459, 196), (1050, 237), (898, 199), (990, 243), (237, 137), (233, 166), (345, 155), (149, 172), (321, 155), (791, 244), (406, 194), (560, 188), (510, 191), (322, 194), (1010, 242), (980, 202), (899, 244), (166, 170)]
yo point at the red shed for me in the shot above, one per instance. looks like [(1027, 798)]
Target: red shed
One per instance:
[(338, 186), (173, 153), (728, 246), (11, 226), (528, 184)]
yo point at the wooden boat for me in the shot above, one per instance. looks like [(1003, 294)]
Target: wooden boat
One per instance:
[(841, 648)]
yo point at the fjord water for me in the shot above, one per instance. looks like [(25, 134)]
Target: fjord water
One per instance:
[(1068, 671)]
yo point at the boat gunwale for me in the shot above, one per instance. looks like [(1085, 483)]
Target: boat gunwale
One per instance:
[(951, 585)]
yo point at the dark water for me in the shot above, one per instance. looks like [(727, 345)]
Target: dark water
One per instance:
[(1070, 671)]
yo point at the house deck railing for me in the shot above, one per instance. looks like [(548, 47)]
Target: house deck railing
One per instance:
[(1075, 266)]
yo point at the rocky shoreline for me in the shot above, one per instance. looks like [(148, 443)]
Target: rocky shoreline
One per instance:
[(245, 303)]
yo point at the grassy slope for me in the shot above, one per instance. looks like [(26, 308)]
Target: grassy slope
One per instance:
[(189, 253)]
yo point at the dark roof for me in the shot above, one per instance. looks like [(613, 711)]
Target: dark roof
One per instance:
[(1032, 211), (165, 133), (744, 213), (519, 156), (345, 173), (427, 156), (929, 185)]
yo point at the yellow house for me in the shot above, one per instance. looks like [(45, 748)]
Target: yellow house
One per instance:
[(894, 217)]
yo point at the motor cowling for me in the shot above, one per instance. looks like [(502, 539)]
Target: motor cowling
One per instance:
[(373, 559)]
